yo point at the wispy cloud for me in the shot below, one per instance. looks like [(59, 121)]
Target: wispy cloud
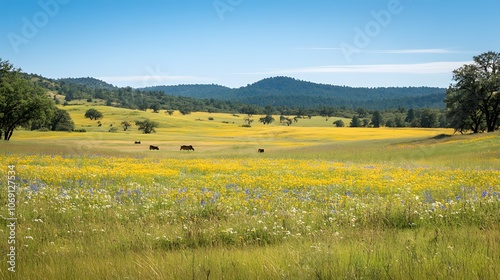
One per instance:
[(414, 51), (415, 68), (400, 51), (321, 49), (412, 68)]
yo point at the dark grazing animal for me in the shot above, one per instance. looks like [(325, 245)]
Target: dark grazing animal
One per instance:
[(260, 150), (137, 142), (187, 148), (151, 147)]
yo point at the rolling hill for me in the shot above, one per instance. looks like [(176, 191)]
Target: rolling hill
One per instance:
[(89, 82), (275, 91), (290, 92), (195, 91)]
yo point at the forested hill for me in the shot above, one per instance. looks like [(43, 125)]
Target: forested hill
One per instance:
[(89, 82), (195, 91), (290, 92), (276, 91), (285, 91)]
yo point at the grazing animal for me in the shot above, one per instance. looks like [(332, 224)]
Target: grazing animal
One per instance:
[(151, 147), (187, 148), (260, 150), (137, 142)]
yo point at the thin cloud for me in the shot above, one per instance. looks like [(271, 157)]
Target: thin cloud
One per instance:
[(322, 49), (413, 68), (414, 51), (400, 51)]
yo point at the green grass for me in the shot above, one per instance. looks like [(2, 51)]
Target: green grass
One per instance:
[(405, 203), (360, 254)]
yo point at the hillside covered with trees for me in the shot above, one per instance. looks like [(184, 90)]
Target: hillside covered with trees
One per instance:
[(90, 88), (252, 98), (290, 92)]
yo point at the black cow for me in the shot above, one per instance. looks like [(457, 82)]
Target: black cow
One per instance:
[(151, 147), (137, 142), (260, 150), (187, 148)]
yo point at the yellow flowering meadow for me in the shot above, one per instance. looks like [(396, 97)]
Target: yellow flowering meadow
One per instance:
[(320, 203), (100, 208), (234, 199)]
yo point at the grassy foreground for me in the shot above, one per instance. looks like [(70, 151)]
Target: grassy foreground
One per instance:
[(320, 203)]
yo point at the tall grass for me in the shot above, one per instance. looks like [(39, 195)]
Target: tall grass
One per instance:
[(406, 207), (463, 253)]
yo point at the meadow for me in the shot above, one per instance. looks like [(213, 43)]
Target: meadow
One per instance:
[(320, 203)]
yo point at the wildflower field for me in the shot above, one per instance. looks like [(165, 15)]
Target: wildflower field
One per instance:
[(412, 208)]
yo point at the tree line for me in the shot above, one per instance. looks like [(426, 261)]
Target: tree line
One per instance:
[(89, 88), (428, 118), (361, 117)]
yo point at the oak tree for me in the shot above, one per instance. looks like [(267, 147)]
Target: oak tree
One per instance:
[(21, 101), (473, 102)]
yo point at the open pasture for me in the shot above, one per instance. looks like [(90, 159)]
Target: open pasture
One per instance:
[(320, 203), (223, 136)]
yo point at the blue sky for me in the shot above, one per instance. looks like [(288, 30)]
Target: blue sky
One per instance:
[(361, 43)]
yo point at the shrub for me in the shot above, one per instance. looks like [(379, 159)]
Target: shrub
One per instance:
[(339, 123)]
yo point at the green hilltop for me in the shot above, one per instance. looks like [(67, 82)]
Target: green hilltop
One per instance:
[(293, 93)]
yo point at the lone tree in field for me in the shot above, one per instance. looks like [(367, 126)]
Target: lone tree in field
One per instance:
[(147, 126), (125, 125), (339, 123), (21, 102), (473, 102), (267, 119), (93, 114)]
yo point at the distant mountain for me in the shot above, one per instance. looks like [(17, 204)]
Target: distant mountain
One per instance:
[(195, 91), (89, 82), (290, 92)]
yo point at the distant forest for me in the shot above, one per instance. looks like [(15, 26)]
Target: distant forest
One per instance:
[(412, 106), (293, 93)]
